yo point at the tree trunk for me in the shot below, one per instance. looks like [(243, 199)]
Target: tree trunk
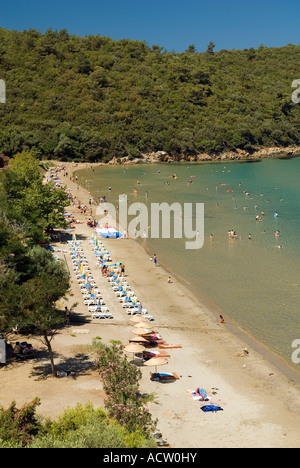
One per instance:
[(48, 344)]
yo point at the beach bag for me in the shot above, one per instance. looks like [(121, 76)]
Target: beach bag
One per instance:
[(211, 408)]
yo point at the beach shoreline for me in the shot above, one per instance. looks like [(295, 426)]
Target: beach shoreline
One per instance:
[(244, 335), (260, 405), (267, 364)]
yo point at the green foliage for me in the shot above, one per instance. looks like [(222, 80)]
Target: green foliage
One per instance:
[(73, 418), (10, 294), (31, 279), (78, 427), (30, 285), (25, 198), (18, 427), (92, 98), (121, 384)]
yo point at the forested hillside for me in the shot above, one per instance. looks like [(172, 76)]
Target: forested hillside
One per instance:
[(92, 98)]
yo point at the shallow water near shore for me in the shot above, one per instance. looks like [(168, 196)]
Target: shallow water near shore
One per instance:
[(253, 282)]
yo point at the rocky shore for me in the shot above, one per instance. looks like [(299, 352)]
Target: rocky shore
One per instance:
[(164, 157), (238, 155)]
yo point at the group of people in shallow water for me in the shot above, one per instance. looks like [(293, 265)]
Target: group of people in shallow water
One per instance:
[(232, 234)]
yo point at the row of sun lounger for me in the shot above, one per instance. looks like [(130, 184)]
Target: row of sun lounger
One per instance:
[(119, 284), (90, 292), (133, 306)]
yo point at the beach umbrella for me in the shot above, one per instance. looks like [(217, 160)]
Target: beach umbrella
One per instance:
[(141, 331), (138, 339), (136, 318), (98, 305), (156, 361), (134, 348), (141, 324)]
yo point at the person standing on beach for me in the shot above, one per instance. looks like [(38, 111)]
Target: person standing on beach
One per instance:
[(67, 316), (155, 260)]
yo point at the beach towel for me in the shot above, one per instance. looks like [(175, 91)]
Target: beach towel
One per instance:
[(162, 374), (158, 376), (211, 408), (197, 397), (169, 346)]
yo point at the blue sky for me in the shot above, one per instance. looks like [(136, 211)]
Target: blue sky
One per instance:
[(174, 25)]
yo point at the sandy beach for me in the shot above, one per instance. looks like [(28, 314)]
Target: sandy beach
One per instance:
[(261, 406)]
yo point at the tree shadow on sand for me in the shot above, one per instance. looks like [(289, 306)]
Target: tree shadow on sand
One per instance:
[(77, 365), (81, 237)]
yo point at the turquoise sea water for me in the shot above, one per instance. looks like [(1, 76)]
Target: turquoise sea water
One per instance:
[(253, 282)]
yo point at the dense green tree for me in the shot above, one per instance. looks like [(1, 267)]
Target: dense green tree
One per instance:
[(191, 49), (19, 426), (31, 283), (31, 279), (10, 296), (24, 197), (78, 427), (61, 88), (210, 48), (39, 297)]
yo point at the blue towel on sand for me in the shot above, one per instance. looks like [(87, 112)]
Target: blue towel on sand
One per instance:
[(211, 408)]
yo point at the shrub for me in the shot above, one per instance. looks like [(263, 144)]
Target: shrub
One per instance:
[(121, 384), (19, 426), (78, 427)]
